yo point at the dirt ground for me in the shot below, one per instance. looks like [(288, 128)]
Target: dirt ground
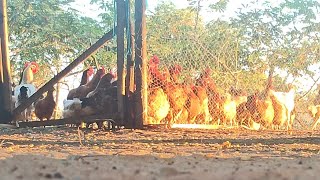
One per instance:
[(66, 153)]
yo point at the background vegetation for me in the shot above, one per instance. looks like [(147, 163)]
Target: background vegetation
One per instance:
[(240, 50)]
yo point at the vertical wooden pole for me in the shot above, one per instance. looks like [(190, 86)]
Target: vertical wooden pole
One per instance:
[(1, 70), (121, 22), (6, 75), (140, 63), (129, 116)]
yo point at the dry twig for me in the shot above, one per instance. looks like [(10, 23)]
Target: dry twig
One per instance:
[(80, 133)]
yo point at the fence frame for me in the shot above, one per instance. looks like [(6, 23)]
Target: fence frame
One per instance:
[(125, 84)]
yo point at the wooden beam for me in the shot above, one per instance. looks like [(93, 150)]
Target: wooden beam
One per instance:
[(130, 58), (64, 72), (6, 68), (73, 120), (129, 115), (1, 70), (140, 64), (121, 23)]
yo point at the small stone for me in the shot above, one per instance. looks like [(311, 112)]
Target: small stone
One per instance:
[(48, 176), (58, 175), (167, 171), (137, 171)]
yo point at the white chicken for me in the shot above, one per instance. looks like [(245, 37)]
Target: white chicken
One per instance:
[(30, 89), (287, 100), (229, 110), (315, 114), (73, 108)]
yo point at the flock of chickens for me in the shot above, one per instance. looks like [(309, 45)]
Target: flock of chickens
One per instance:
[(170, 100), (95, 96), (42, 108), (197, 101)]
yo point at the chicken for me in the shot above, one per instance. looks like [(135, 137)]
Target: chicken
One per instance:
[(238, 96), (229, 110), (105, 82), (204, 115), (86, 75), (243, 116), (286, 99), (251, 105), (155, 77), (266, 112), (193, 104), (174, 72), (175, 93), (44, 107), (177, 97), (103, 101), (315, 114), (26, 81), (73, 108), (280, 113), (22, 97), (158, 106), (26, 88), (214, 97), (30, 68), (83, 90), (261, 109)]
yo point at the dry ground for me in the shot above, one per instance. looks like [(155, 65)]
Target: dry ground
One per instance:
[(56, 153)]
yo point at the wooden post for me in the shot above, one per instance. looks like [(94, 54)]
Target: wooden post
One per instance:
[(130, 57), (5, 77), (6, 68), (64, 72), (1, 73), (121, 22), (129, 116), (140, 63)]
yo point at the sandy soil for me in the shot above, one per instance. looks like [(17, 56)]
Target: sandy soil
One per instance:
[(58, 153)]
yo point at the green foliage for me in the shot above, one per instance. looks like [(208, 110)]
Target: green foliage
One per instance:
[(51, 33), (282, 36), (241, 51)]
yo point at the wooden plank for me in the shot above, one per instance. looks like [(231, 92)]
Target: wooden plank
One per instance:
[(121, 22), (64, 72), (130, 57), (140, 64), (1, 68), (6, 68), (73, 120), (131, 61), (129, 114)]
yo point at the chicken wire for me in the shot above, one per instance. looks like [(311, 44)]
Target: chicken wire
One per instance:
[(193, 56)]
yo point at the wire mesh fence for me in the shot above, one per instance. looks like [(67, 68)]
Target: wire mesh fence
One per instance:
[(198, 76)]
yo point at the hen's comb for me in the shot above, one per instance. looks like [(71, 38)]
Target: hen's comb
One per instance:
[(154, 59), (35, 70)]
